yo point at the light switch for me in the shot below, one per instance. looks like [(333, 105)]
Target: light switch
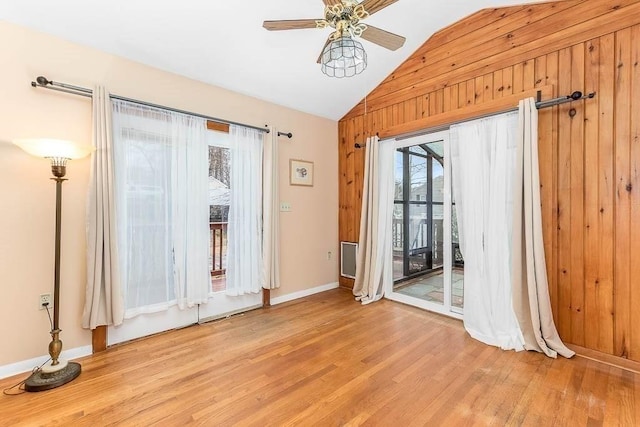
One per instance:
[(285, 207)]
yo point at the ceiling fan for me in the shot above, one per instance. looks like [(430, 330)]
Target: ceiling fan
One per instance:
[(345, 17)]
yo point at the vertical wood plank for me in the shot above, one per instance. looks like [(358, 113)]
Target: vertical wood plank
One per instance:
[(622, 119), (425, 106), (551, 247), (606, 192), (351, 232), (380, 123), (362, 127), (478, 85), (540, 75), (387, 117), (454, 97), (395, 115), (564, 200), (487, 87), (634, 235), (472, 93), (592, 234), (410, 110), (446, 101), (528, 74), (462, 94), (439, 101), (507, 81), (518, 76), (433, 109), (577, 200), (498, 87)]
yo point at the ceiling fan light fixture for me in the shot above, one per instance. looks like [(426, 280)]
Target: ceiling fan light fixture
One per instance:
[(343, 57)]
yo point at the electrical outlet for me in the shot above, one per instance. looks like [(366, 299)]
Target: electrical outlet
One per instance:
[(329, 255), (45, 300)]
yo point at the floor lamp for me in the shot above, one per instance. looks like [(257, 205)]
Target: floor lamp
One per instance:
[(57, 371)]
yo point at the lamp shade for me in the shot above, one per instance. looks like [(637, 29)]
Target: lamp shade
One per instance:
[(343, 57), (54, 148)]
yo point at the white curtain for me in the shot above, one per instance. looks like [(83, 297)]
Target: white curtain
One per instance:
[(244, 252), (483, 156), (529, 273), (161, 170), (271, 203), (374, 266), (190, 209), (104, 303)]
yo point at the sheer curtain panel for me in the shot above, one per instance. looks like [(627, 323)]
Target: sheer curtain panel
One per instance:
[(161, 159), (483, 157), (190, 209), (104, 303), (244, 253), (374, 268)]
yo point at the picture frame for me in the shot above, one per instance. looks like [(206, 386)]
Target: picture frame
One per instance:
[(300, 172)]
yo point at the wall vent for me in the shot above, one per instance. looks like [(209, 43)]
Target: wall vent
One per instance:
[(348, 257)]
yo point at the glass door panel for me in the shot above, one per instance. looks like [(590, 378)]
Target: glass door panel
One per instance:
[(423, 246)]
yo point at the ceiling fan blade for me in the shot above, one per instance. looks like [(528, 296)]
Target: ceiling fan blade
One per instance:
[(373, 6), (322, 51), (383, 38), (292, 24), (332, 2)]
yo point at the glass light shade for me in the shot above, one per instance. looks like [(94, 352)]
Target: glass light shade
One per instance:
[(343, 57), (54, 148)]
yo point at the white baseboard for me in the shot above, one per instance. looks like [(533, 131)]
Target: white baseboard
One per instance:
[(304, 293), (28, 365)]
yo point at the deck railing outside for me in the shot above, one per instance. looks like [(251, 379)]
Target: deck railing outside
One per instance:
[(218, 250)]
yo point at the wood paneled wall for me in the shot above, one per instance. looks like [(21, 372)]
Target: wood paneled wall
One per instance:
[(589, 162)]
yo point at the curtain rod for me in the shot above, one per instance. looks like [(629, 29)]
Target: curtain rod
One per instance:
[(82, 91), (575, 96)]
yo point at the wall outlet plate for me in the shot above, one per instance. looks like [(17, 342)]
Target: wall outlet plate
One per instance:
[(45, 300)]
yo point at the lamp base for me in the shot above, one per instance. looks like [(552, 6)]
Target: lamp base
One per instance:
[(41, 381)]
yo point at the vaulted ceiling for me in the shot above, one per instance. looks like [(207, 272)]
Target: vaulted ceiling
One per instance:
[(223, 43)]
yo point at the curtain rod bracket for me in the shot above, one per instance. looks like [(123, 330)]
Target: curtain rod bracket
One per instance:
[(356, 145), (288, 135), (575, 96)]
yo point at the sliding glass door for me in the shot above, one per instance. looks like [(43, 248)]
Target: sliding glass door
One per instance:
[(428, 269)]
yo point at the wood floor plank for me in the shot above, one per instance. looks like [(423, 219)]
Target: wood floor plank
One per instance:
[(327, 360)]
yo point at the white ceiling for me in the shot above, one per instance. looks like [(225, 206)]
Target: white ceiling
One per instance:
[(223, 43)]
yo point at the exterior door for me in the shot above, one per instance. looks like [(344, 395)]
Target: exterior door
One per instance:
[(428, 268)]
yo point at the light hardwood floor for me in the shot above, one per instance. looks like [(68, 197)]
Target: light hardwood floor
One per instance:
[(326, 360)]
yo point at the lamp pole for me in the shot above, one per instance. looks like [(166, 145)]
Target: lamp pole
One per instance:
[(55, 346), (58, 371)]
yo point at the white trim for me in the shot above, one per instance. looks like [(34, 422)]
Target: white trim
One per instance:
[(222, 305), (423, 304), (147, 324), (304, 293), (28, 365), (211, 318)]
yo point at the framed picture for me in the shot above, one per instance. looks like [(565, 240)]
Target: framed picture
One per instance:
[(300, 172)]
